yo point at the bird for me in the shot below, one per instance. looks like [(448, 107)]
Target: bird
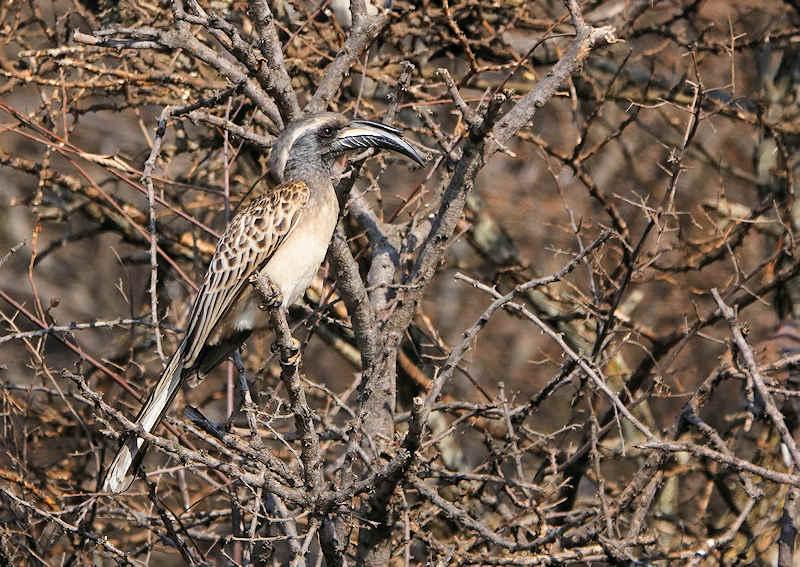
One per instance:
[(282, 235)]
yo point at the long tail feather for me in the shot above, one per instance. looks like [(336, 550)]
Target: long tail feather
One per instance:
[(134, 447)]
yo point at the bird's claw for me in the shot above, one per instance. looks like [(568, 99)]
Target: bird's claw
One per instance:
[(269, 292), (287, 349)]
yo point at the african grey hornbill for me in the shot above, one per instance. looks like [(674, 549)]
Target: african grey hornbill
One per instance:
[(282, 234)]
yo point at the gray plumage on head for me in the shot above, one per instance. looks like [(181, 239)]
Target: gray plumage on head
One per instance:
[(307, 148), (300, 149)]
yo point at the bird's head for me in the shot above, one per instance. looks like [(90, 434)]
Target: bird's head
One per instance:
[(310, 146)]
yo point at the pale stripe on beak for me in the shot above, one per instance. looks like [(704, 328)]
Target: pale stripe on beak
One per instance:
[(363, 134)]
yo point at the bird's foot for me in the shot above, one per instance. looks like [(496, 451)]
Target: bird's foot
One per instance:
[(271, 296), (288, 348), (272, 300)]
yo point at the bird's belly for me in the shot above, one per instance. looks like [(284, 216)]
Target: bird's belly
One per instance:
[(297, 260), (291, 268)]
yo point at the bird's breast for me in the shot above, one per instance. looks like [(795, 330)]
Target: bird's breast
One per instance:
[(296, 261)]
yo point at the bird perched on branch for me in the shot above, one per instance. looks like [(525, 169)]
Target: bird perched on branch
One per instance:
[(283, 235)]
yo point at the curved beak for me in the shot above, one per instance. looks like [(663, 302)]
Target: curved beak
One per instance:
[(362, 134)]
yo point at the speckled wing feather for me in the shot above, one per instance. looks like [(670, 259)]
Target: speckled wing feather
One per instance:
[(249, 241)]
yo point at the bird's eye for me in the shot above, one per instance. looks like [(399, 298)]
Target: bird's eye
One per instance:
[(326, 132)]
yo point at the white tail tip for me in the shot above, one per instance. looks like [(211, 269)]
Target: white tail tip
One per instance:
[(117, 477)]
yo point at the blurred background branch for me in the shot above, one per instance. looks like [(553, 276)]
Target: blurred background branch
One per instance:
[(571, 337)]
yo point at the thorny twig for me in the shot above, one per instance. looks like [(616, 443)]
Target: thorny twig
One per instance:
[(346, 453)]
